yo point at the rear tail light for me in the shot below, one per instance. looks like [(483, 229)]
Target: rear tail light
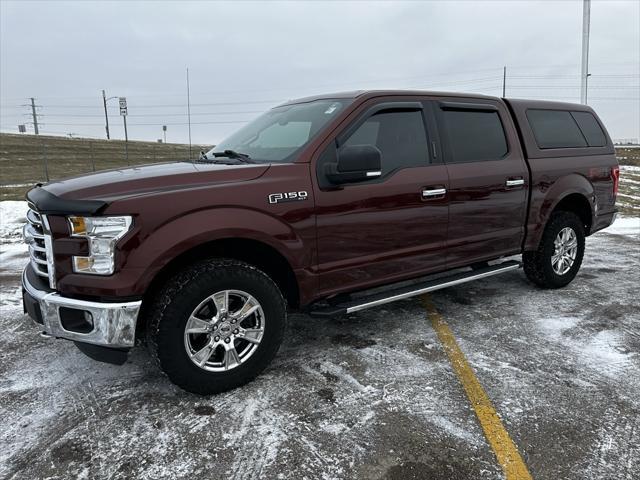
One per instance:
[(615, 175)]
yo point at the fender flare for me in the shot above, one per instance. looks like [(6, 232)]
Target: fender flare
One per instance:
[(558, 191), (208, 225)]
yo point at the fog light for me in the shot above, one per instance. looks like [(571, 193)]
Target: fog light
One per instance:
[(73, 320)]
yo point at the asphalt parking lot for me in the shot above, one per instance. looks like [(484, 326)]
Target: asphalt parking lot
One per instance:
[(372, 395)]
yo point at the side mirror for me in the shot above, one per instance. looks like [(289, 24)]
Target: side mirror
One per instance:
[(356, 163)]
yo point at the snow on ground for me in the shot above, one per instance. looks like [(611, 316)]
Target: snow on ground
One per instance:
[(370, 395), (13, 254), (12, 248), (629, 226), (12, 216)]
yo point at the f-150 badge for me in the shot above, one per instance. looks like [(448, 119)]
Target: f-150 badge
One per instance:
[(287, 197)]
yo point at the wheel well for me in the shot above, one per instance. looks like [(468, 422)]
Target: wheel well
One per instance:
[(578, 204), (256, 253)]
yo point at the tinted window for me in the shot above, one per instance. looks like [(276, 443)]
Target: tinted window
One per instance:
[(555, 129), (277, 135), (474, 136), (590, 129), (399, 135), (290, 135)]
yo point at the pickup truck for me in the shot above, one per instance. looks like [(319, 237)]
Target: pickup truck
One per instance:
[(329, 205)]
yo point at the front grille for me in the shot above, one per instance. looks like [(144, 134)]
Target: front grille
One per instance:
[(38, 237)]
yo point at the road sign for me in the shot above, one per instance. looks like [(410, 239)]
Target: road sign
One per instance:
[(22, 128), (123, 106)]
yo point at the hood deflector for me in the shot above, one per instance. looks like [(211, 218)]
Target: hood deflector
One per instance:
[(50, 204)]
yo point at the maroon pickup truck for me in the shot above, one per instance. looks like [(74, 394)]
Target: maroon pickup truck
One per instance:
[(311, 207)]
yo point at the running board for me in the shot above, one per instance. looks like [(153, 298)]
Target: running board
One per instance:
[(412, 290)]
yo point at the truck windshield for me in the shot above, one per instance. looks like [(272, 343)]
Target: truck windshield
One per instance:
[(279, 133)]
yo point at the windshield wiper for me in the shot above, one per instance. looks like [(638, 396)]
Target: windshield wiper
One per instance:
[(230, 154), (243, 157), (231, 160)]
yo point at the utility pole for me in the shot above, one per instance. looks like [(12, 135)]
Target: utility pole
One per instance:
[(189, 111), (586, 17), (126, 139), (504, 82), (106, 117), (35, 115)]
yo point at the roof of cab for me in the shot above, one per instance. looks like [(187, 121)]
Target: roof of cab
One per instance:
[(367, 94), (548, 104), (384, 93)]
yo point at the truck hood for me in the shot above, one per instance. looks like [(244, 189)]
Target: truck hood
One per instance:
[(117, 184)]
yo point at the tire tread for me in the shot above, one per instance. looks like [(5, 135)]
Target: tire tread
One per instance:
[(163, 303), (537, 264)]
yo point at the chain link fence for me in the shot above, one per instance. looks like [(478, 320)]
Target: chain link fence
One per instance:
[(29, 159)]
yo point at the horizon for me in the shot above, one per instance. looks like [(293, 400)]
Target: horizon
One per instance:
[(289, 50)]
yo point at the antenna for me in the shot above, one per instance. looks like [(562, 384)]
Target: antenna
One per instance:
[(189, 111), (504, 82)]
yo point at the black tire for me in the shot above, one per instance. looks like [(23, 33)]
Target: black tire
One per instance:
[(181, 295), (537, 264)]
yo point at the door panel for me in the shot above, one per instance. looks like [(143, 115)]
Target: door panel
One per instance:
[(488, 182), (386, 229), (486, 217), (376, 233)]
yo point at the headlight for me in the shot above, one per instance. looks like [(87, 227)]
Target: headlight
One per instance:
[(102, 233)]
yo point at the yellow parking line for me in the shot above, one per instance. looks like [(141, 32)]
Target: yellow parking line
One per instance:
[(497, 436)]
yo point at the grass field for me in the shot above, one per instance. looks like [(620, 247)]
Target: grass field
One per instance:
[(628, 156), (28, 159), (628, 201)]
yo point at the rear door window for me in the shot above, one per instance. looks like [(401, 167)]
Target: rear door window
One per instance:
[(555, 129), (474, 136)]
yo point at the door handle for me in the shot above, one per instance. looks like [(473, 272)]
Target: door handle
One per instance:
[(433, 192), (515, 182)]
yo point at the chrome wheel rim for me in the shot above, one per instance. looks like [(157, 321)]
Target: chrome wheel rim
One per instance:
[(224, 330), (565, 251)]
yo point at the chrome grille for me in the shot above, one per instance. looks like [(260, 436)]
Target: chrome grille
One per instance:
[(38, 236)]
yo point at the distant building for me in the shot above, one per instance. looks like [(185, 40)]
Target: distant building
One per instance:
[(625, 141)]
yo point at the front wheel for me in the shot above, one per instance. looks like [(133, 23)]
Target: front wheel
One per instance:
[(217, 325), (558, 258)]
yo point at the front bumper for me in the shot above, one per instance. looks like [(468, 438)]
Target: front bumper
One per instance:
[(111, 325)]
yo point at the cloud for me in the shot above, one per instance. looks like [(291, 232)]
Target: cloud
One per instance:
[(64, 53)]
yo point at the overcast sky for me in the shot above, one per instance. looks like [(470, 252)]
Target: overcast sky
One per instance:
[(245, 57)]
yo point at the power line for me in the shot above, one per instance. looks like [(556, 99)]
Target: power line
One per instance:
[(216, 104), (148, 124), (247, 102), (565, 87), (177, 105), (33, 113), (573, 77), (96, 115), (433, 75)]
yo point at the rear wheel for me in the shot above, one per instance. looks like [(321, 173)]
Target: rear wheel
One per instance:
[(558, 258), (217, 325)]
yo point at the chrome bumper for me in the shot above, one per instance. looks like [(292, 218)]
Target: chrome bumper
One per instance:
[(114, 324)]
